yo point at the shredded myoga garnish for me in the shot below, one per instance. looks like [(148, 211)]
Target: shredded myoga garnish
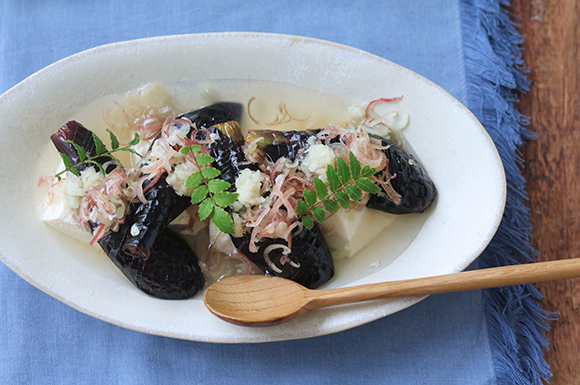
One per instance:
[(267, 193)]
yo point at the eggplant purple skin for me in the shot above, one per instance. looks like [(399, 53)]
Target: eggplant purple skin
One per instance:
[(157, 260), (309, 248), (75, 132), (161, 264), (163, 203), (312, 264), (229, 157), (205, 117), (171, 271), (226, 149), (151, 218), (411, 181), (287, 144)]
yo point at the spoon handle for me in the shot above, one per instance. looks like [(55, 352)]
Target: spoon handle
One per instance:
[(463, 281)]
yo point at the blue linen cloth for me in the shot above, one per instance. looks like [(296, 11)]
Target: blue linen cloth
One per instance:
[(460, 338)]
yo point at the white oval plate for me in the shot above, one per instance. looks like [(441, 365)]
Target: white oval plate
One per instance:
[(452, 145)]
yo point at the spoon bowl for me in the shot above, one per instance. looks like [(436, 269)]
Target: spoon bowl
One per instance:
[(257, 300)]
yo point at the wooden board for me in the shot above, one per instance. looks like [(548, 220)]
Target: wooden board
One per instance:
[(551, 29)]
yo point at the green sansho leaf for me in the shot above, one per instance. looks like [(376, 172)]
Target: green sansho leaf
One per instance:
[(199, 194), (99, 145), (210, 172), (367, 185), (205, 209), (136, 139), (353, 192), (114, 140), (194, 180), (184, 150), (222, 220), (331, 206), (101, 150), (309, 197), (204, 159), (354, 165), (218, 185), (332, 178), (225, 199), (65, 159), (75, 171), (342, 199), (195, 148), (319, 214), (320, 188), (127, 149), (343, 171), (307, 221), (367, 171), (301, 207), (80, 151)]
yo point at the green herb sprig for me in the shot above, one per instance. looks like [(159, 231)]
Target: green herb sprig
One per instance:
[(345, 186), (101, 151), (210, 192)]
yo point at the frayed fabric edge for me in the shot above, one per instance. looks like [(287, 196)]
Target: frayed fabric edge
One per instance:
[(494, 75)]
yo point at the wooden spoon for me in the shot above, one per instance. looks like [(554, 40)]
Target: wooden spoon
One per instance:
[(257, 300)]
